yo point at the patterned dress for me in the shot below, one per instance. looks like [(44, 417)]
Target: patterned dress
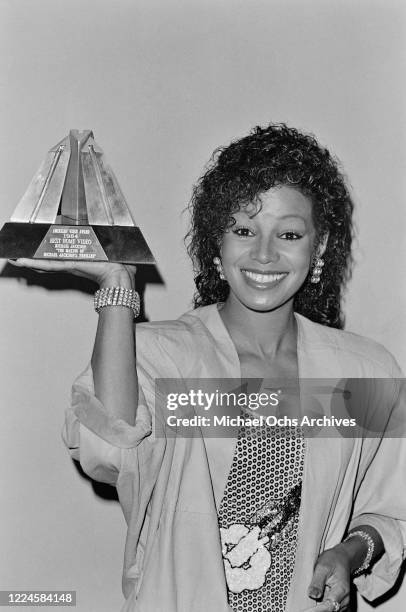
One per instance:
[(259, 516)]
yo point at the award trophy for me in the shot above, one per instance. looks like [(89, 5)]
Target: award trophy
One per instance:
[(74, 209)]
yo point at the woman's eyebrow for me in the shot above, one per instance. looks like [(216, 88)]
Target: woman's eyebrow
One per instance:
[(292, 215), (278, 217)]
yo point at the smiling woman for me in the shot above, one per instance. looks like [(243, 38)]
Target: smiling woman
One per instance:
[(245, 175), (265, 518)]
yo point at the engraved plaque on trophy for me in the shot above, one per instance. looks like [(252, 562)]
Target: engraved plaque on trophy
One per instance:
[(74, 209)]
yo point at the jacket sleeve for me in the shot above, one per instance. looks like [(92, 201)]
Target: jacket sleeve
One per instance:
[(96, 438), (106, 446), (381, 501)]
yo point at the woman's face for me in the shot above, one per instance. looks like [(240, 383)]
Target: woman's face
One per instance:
[(266, 256)]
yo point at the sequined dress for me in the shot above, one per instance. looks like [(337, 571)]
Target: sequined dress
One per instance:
[(266, 471)]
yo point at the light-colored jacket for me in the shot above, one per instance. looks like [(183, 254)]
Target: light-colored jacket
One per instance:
[(173, 560)]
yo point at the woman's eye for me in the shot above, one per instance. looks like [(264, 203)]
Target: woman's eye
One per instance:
[(290, 236), (243, 231)]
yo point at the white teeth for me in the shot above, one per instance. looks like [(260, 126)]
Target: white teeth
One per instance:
[(263, 278)]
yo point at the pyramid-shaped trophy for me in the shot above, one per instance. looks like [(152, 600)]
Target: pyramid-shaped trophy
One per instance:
[(74, 209)]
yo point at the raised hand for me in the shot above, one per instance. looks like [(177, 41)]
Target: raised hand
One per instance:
[(102, 273)]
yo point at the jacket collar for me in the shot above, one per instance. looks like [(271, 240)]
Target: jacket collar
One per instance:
[(316, 344)]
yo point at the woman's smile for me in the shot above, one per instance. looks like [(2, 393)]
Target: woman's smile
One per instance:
[(263, 280)]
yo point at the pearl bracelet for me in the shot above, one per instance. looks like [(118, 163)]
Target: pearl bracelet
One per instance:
[(370, 552), (117, 296)]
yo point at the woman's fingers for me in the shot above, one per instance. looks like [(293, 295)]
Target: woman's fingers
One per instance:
[(96, 271), (39, 265), (345, 604), (334, 603), (323, 606), (328, 605)]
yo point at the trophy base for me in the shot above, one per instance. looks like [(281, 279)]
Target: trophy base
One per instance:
[(115, 243)]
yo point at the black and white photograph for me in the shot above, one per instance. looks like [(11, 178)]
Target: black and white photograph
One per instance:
[(203, 332)]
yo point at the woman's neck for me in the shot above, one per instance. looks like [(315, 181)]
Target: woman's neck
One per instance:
[(265, 333)]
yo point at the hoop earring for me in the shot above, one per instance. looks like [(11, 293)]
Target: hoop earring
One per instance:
[(317, 270), (219, 267)]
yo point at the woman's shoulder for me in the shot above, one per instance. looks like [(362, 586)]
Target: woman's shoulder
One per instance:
[(348, 345), (193, 343), (190, 323), (194, 331)]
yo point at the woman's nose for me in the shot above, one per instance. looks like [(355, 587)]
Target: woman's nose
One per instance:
[(265, 250)]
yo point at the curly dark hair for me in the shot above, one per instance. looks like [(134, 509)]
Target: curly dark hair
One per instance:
[(237, 175)]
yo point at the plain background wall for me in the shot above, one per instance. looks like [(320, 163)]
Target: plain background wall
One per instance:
[(162, 83)]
